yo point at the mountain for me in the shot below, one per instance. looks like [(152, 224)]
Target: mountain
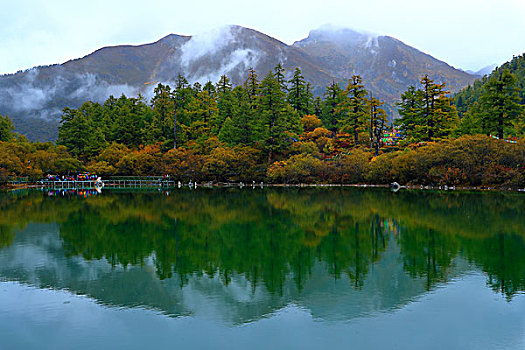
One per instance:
[(483, 71), (35, 98), (388, 66)]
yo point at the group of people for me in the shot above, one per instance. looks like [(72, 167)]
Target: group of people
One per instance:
[(77, 177)]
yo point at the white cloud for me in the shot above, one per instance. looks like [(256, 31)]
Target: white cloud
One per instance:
[(467, 33), (207, 43)]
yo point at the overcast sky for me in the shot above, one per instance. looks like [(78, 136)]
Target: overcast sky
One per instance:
[(467, 34)]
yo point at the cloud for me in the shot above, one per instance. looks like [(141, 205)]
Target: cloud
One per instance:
[(240, 58), (40, 98), (94, 89), (207, 43), (224, 50)]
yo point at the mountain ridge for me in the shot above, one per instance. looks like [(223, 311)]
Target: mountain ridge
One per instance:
[(35, 97)]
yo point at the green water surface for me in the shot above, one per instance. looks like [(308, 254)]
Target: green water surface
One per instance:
[(260, 268)]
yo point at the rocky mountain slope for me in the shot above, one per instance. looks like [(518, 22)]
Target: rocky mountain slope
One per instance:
[(34, 98)]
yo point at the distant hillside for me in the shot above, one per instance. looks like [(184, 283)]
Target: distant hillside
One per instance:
[(467, 97), (34, 98), (387, 65), (483, 71)]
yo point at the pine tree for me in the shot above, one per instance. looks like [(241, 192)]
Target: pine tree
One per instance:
[(79, 133), (201, 112), (225, 102), (500, 103), (252, 84), (279, 121), (279, 76), (297, 92), (164, 103), (438, 116), (308, 99), (353, 107), (410, 109), (244, 120), (427, 113), (329, 113), (210, 89)]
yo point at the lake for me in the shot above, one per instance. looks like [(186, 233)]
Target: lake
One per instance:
[(283, 268)]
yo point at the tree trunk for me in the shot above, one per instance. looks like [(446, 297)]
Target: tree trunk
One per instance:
[(175, 128)]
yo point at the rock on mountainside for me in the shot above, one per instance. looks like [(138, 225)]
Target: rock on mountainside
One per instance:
[(35, 98)]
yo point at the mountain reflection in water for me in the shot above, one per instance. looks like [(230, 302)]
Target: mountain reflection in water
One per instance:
[(240, 255)]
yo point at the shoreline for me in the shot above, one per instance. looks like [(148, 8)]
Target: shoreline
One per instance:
[(300, 185)]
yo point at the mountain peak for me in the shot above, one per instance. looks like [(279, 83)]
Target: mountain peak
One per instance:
[(340, 35), (328, 54)]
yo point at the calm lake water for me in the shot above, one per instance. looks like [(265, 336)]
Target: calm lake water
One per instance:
[(262, 268)]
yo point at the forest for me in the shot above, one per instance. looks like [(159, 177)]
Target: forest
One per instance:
[(275, 130)]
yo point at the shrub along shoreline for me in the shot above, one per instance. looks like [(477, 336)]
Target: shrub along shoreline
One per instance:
[(469, 162)]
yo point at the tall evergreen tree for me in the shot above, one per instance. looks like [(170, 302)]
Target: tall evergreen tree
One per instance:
[(427, 113), (500, 103), (244, 120), (225, 102), (279, 76), (330, 113), (78, 133), (164, 106), (410, 109), (353, 107), (297, 92), (278, 119)]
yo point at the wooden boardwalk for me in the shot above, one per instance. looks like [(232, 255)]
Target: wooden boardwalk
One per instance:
[(70, 184), (120, 182), (139, 182)]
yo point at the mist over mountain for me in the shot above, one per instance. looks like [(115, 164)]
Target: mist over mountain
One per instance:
[(34, 98)]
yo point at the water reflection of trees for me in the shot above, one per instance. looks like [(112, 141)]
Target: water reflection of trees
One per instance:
[(273, 235)]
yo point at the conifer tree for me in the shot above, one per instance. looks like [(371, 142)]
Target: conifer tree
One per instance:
[(210, 89), (438, 116), (410, 109), (353, 107), (500, 103), (329, 113), (245, 120), (317, 106), (279, 76), (252, 85), (79, 133), (225, 103), (278, 119), (165, 104), (427, 113), (297, 92)]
